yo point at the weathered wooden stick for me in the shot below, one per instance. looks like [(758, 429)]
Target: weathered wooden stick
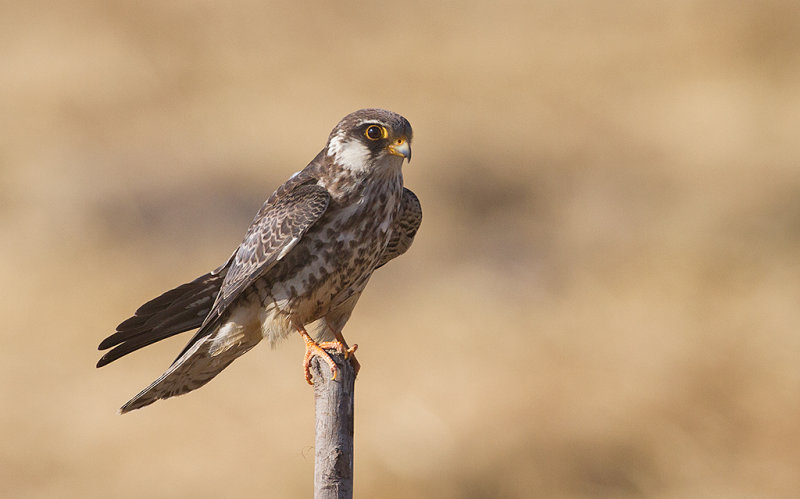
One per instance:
[(334, 404)]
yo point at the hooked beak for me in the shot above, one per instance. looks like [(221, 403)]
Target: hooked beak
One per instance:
[(400, 147)]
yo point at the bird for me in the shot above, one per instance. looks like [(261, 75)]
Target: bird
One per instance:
[(302, 265)]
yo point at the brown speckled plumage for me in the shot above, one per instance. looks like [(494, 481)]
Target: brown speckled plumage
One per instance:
[(305, 259)]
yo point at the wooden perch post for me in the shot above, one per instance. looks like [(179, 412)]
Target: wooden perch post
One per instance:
[(334, 404)]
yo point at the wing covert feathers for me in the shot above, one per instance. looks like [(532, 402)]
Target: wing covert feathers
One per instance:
[(404, 228), (277, 227)]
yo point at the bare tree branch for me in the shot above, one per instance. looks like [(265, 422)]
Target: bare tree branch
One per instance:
[(334, 405)]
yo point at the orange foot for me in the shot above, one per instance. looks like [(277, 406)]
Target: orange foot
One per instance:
[(341, 347), (313, 348)]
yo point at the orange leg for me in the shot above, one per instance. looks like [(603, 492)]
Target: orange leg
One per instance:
[(313, 348)]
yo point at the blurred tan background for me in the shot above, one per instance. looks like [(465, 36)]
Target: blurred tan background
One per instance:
[(602, 300)]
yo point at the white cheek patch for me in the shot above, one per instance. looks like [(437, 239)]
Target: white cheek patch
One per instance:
[(350, 154)]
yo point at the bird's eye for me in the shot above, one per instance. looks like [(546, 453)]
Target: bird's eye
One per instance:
[(375, 132)]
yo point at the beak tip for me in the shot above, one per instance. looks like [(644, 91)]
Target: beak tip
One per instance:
[(403, 150)]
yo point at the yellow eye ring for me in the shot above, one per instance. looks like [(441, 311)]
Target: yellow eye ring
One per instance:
[(376, 132)]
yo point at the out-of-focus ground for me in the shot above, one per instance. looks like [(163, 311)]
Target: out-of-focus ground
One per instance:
[(603, 300)]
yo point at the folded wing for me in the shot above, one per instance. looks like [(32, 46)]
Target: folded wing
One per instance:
[(404, 228)]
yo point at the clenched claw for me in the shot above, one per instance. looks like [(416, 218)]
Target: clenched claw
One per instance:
[(319, 349), (313, 348), (349, 353)]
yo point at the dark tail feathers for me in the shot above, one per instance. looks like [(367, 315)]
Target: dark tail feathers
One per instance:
[(174, 312)]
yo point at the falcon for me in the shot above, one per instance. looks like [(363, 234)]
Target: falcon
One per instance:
[(303, 263)]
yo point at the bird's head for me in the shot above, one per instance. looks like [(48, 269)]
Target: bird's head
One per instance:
[(369, 138)]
